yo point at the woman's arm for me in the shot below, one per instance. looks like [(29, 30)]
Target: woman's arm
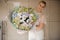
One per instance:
[(42, 23)]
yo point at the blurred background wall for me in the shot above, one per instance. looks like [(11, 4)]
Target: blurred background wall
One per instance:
[(52, 12)]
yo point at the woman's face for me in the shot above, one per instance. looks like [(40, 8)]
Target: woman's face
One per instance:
[(40, 7)]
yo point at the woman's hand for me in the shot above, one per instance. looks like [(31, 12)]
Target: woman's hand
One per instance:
[(40, 26)]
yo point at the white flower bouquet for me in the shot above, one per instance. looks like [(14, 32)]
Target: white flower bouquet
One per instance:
[(23, 18)]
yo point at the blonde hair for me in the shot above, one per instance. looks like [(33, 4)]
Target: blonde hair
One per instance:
[(43, 2)]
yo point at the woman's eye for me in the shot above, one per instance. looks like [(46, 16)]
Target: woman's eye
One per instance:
[(40, 5)]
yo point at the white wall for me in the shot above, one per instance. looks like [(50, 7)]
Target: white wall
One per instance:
[(53, 22)]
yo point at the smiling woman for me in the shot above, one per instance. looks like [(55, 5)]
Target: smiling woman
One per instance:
[(37, 33)]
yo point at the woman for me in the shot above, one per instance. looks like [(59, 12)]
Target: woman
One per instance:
[(37, 32)]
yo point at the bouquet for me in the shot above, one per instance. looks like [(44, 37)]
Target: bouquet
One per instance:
[(23, 18)]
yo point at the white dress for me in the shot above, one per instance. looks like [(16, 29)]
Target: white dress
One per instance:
[(37, 34)]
